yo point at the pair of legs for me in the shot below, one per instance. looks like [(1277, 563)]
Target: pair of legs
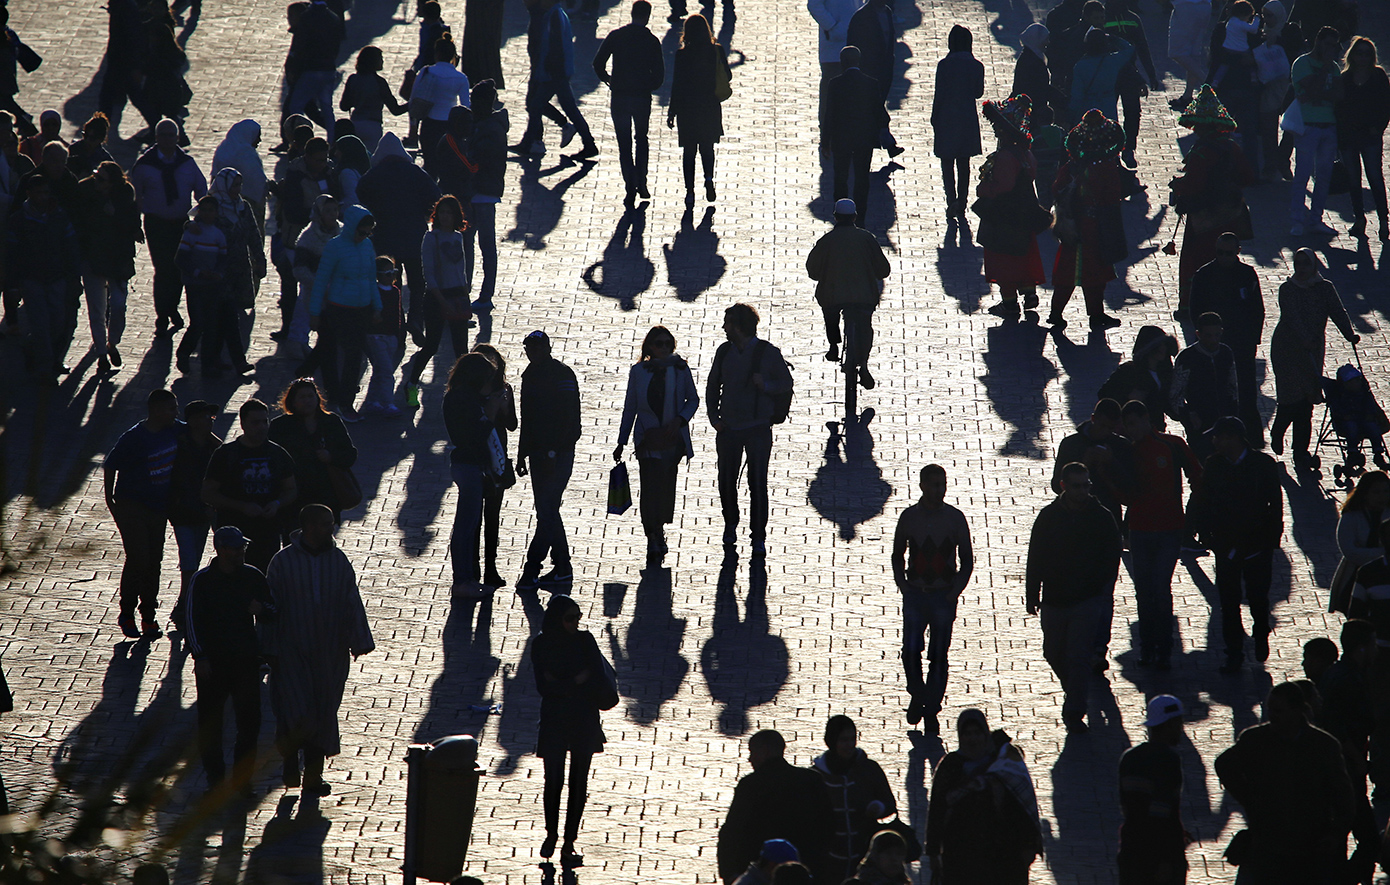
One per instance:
[(383, 352), (1069, 641), (856, 162), (222, 332), (549, 477), (859, 320), (955, 174), (538, 95), (1153, 556), (315, 86), (239, 680), (491, 529), (162, 237), (142, 538), (1314, 152), (731, 448), (52, 311), (1129, 101), (923, 611), (1299, 415), (658, 500), (106, 308), (1368, 155), (343, 336), (706, 151), (435, 326), (1247, 389), (579, 794), (482, 223), (631, 118), (192, 541), (1238, 574), (468, 518)]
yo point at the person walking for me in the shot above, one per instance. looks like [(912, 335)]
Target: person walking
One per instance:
[(1206, 386), (748, 378), (1095, 78), (1362, 116), (1318, 87), (242, 272), (874, 33), (384, 340), (471, 432), (1124, 23), (240, 151), (832, 18), (499, 404), (401, 197), (849, 268), (166, 181), (1147, 376), (960, 82), (1307, 301), (1073, 561), (43, 261), (447, 286), (319, 443), (859, 797), (482, 41), (1358, 534), (1230, 288), (1088, 189), (1189, 32), (308, 251), (441, 86), (660, 402), (638, 71), (487, 150), (305, 177), (136, 475), (89, 152), (932, 562), (550, 427), (317, 38), (775, 801), (226, 602), (1010, 214), (982, 822), (367, 97), (1153, 841), (1291, 782), (202, 260), (1156, 528), (857, 120), (344, 302), (189, 517), (1239, 514), (1031, 74), (1347, 713), (571, 679), (1108, 455), (249, 481), (694, 109), (550, 43), (320, 622), (108, 227)]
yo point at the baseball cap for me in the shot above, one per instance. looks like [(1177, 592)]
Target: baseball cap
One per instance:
[(537, 335), (844, 207), (201, 407), (1348, 372), (779, 851), (228, 536), (1229, 424), (1164, 708)]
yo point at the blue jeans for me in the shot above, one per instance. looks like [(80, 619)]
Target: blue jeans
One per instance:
[(1314, 153), (549, 477), (482, 222), (463, 542), (631, 116), (1153, 556), (923, 610), (316, 86)]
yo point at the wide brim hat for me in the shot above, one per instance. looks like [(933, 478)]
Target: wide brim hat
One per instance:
[(1011, 116), (1095, 138), (1206, 111)]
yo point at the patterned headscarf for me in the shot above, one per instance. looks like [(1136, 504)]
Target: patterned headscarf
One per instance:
[(1206, 112), (228, 207), (1010, 118), (1095, 138)]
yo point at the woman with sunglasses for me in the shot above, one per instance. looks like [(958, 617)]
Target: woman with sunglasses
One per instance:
[(572, 678), (1307, 301), (661, 400)]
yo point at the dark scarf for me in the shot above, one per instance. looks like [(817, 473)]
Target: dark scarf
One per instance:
[(167, 169)]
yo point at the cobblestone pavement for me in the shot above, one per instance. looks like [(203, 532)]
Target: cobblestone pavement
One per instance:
[(706, 651)]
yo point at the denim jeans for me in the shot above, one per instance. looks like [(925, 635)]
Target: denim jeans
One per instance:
[(1314, 154), (482, 222), (1255, 570), (538, 95), (316, 86), (924, 610), (1366, 154), (631, 117), (463, 543), (106, 307), (52, 311), (383, 352), (1153, 556), (549, 477), (1069, 634), (192, 541), (730, 447)]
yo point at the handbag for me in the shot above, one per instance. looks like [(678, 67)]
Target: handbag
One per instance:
[(419, 107), (407, 84), (500, 474), (605, 689), (1292, 121), (346, 488), (904, 829), (722, 90), (619, 490)]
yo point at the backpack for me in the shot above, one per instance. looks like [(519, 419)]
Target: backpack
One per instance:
[(781, 402)]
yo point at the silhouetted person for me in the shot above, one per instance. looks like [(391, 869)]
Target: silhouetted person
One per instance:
[(250, 480), (859, 793), (550, 42), (317, 37), (855, 118), (1153, 842), (960, 81), (550, 427), (776, 801), (1206, 385), (638, 71), (1229, 287), (166, 181), (849, 267)]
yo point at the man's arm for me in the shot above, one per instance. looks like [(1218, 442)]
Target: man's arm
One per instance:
[(713, 387), (965, 553), (899, 555), (605, 51), (1037, 556), (732, 852)]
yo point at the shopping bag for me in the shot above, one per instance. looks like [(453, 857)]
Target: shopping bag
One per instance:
[(619, 490)]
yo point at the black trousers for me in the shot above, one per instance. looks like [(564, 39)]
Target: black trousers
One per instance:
[(579, 791), (218, 680), (1247, 390), (1245, 575), (435, 325), (856, 162), (142, 537), (162, 237), (730, 447), (658, 490), (343, 336)]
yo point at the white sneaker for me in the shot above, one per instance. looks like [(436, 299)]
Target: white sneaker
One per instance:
[(1296, 230)]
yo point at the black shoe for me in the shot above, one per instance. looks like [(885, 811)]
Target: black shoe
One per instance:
[(759, 548), (557, 577), (895, 150), (1030, 300), (289, 772), (1006, 309), (150, 630), (643, 192), (280, 335), (103, 365), (128, 628), (113, 355), (492, 579), (866, 380), (527, 583), (630, 200), (1075, 725), (1057, 321), (709, 191), (521, 148), (914, 712), (548, 846), (589, 151), (1104, 321)]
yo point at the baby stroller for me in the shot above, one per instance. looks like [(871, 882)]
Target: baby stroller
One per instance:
[(1352, 417)]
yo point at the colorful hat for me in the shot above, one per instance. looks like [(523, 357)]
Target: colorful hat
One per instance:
[(1012, 115), (1206, 110), (1096, 137)]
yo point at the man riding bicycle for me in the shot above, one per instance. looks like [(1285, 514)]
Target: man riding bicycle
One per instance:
[(849, 268)]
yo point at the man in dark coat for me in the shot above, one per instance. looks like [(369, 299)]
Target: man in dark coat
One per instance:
[(776, 800), (855, 117), (1231, 288), (400, 195), (873, 33), (318, 36), (550, 427), (849, 267)]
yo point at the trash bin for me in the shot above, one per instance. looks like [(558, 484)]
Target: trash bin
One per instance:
[(441, 795)]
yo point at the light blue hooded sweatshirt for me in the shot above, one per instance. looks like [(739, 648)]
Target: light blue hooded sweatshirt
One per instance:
[(347, 271)]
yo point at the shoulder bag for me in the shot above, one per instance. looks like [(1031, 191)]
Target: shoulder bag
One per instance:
[(722, 89)]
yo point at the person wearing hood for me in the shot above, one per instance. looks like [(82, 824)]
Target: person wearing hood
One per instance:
[(960, 81), (166, 181), (239, 150), (1031, 75), (661, 400), (308, 250), (344, 300), (982, 819), (401, 196), (859, 796), (487, 150), (305, 175), (242, 271), (1147, 376), (350, 162), (320, 629), (108, 227)]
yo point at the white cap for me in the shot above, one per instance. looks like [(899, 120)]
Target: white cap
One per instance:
[(1164, 708)]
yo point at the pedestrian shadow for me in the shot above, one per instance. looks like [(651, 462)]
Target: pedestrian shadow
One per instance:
[(960, 266), (459, 700), (539, 207), (882, 214), (521, 704), (624, 271), (291, 848), (1085, 780), (1011, 17), (650, 666), (927, 751), (1015, 380), (744, 664), (1313, 515), (1087, 367), (193, 848), (849, 488), (428, 480), (693, 263)]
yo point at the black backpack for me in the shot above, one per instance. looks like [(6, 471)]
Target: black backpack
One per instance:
[(781, 402)]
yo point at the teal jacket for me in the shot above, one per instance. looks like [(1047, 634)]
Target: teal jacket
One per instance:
[(347, 271)]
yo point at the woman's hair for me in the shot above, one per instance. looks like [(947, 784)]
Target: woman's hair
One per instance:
[(696, 32), (1361, 43), (835, 727), (1360, 495), (556, 610), (471, 372), (495, 357), (450, 202), (885, 841), (444, 48), (656, 333), (370, 60), (112, 169), (98, 125), (292, 391)]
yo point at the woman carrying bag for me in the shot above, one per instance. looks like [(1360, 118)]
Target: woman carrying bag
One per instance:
[(661, 400)]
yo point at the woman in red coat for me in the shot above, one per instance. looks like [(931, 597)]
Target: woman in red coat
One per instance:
[(1090, 227), (1010, 216)]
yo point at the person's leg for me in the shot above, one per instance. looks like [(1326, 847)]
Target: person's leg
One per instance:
[(858, 349), (948, 180), (1053, 620), (707, 161), (860, 166), (414, 296), (688, 167), (579, 794), (564, 96), (620, 107), (354, 353), (434, 336), (95, 288), (535, 97), (1302, 171), (1258, 570), (246, 704), (759, 448), (831, 314), (962, 182), (916, 617), (1164, 562), (941, 616), (1302, 428), (641, 110), (1129, 100), (162, 238), (213, 687), (1228, 589), (1143, 552), (1083, 624), (554, 765), (549, 476), (840, 163), (330, 332), (728, 447), (191, 541), (468, 515), (1351, 161), (42, 315), (1325, 156), (1283, 417), (648, 505), (1247, 386), (1095, 299), (142, 538), (1373, 159), (325, 83), (492, 524), (485, 214)]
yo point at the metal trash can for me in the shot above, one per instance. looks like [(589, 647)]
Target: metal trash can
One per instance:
[(441, 795)]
